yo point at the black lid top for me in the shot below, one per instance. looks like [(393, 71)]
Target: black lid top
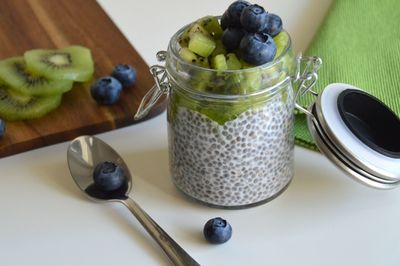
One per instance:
[(371, 121)]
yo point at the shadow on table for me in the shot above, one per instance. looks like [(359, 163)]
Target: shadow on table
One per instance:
[(150, 166), (320, 186)]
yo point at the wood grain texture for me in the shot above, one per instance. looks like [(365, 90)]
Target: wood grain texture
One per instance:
[(31, 24)]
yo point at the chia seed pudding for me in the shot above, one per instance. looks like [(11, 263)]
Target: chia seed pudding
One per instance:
[(245, 161)]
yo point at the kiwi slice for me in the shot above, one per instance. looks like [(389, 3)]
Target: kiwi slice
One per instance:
[(16, 106), (71, 63), (14, 72)]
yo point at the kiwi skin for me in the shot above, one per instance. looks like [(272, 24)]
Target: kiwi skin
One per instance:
[(15, 107), (70, 63), (13, 71)]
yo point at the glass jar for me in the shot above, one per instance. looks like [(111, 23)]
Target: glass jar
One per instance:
[(230, 132)]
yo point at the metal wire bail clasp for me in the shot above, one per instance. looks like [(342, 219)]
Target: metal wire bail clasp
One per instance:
[(160, 87), (306, 77)]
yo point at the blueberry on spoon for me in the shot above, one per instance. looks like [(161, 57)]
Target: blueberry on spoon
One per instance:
[(84, 154), (108, 176)]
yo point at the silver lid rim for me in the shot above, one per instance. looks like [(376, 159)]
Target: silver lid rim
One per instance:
[(340, 160), (351, 157)]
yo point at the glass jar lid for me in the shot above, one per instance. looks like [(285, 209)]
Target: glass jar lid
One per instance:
[(358, 133)]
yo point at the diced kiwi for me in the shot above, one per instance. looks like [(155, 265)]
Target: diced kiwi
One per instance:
[(184, 40), (201, 44), (188, 55), (245, 82), (14, 106), (233, 62), (14, 72), (71, 63), (185, 37), (252, 81), (219, 48), (201, 80), (193, 58), (281, 40), (219, 62), (198, 28), (245, 65), (211, 24)]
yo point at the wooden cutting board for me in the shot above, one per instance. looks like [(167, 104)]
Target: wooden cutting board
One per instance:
[(30, 24)]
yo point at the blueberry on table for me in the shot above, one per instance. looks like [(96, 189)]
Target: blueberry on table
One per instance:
[(106, 90), (217, 231), (254, 18), (257, 48), (274, 25), (2, 128), (231, 38), (108, 176), (125, 74)]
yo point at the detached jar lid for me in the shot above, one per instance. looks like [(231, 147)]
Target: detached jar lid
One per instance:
[(358, 133)]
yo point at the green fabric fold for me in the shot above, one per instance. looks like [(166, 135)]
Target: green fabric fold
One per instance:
[(359, 44)]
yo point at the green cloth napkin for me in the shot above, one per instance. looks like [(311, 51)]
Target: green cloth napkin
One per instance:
[(359, 44)]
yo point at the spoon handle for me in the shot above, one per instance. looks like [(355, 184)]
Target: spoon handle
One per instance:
[(177, 254)]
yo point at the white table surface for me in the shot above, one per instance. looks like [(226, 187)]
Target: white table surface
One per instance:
[(324, 218)]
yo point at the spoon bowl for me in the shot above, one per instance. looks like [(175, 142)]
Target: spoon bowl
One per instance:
[(83, 155)]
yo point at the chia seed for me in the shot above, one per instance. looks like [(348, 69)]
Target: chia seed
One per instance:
[(251, 165)]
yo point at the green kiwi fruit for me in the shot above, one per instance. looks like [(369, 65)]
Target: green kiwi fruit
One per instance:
[(218, 62), (70, 63), (193, 58), (219, 48), (233, 62), (185, 37), (15, 106), (201, 44), (14, 72), (211, 24)]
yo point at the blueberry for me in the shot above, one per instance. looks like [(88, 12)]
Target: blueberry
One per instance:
[(225, 20), (274, 25), (2, 128), (231, 17), (108, 176), (231, 38), (217, 231), (126, 74), (257, 48), (106, 90), (254, 18)]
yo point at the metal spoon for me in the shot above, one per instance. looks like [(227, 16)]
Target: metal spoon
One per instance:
[(84, 153)]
